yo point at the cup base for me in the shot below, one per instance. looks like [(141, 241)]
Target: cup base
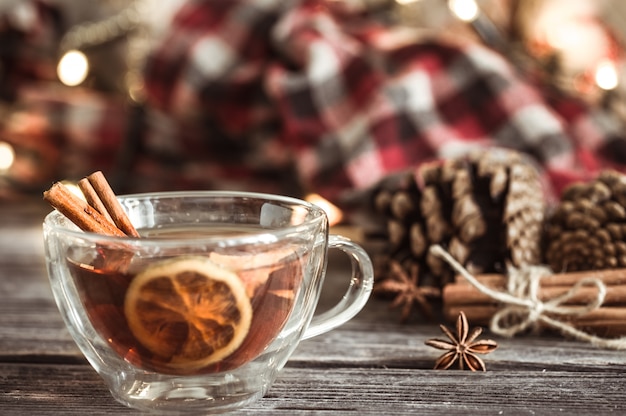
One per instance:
[(179, 395)]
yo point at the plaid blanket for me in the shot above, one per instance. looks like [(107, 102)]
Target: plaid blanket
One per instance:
[(351, 100), (302, 95)]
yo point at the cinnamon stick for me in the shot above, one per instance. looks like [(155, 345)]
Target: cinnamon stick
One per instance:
[(483, 313), (79, 212), (608, 277), (112, 205), (604, 321), (92, 198), (465, 294)]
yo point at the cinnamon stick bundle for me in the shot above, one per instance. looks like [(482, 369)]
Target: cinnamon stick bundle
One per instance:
[(607, 320), (102, 213)]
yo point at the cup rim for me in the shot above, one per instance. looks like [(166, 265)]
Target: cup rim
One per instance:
[(269, 235)]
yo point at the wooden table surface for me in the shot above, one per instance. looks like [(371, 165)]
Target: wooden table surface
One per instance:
[(371, 365)]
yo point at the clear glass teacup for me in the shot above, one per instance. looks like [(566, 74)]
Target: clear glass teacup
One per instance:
[(203, 310)]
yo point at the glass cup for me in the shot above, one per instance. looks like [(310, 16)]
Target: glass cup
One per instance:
[(204, 309)]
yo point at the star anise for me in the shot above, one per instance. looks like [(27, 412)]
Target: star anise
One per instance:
[(407, 290), (463, 348)]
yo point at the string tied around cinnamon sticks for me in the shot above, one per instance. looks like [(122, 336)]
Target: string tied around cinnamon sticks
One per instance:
[(522, 308), (523, 283)]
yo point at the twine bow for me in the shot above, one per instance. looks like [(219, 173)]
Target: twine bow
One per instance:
[(523, 309)]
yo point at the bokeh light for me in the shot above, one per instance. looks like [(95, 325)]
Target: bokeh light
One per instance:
[(7, 156), (73, 68)]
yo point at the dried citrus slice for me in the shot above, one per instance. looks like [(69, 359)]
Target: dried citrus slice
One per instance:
[(188, 311)]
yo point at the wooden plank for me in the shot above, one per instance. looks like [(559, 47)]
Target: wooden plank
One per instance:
[(77, 390), (22, 265), (384, 344), (33, 329)]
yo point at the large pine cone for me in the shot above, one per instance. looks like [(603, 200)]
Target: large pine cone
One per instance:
[(587, 230), (486, 209)]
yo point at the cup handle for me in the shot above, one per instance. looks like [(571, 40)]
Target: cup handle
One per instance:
[(357, 294)]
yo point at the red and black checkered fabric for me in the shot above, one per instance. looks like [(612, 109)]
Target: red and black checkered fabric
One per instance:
[(350, 100), (297, 96)]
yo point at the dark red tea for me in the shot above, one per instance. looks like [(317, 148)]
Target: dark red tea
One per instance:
[(271, 280)]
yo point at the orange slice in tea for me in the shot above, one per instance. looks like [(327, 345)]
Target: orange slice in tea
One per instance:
[(188, 311)]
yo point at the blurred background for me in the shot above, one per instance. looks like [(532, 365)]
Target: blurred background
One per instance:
[(75, 92)]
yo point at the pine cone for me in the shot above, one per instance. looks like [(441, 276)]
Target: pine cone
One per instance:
[(587, 230), (398, 201), (486, 209), (494, 205)]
